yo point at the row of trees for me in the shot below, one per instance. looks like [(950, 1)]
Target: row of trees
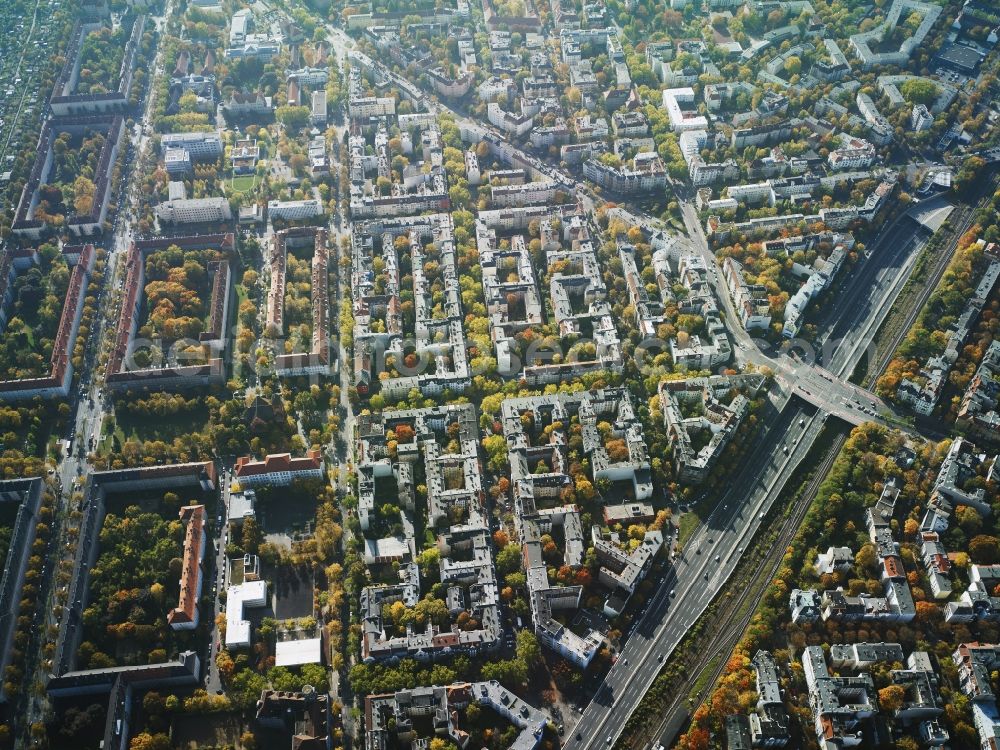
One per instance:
[(26, 633)]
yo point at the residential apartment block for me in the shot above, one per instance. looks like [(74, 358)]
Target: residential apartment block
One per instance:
[(185, 615), (922, 393), (701, 350), (719, 405), (57, 381), (172, 369), (318, 359), (646, 174), (863, 42), (674, 102), (381, 330), (979, 411), (621, 456), (454, 509), (750, 299), (194, 211), (200, 146), (278, 469), (299, 210), (400, 714)]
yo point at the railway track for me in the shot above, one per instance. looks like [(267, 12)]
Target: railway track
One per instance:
[(940, 264), (725, 640)]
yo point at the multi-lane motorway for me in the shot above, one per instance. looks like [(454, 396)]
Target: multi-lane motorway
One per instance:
[(708, 560), (715, 549)]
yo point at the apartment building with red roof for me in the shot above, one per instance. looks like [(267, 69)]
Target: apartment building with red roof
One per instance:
[(185, 615), (278, 469)]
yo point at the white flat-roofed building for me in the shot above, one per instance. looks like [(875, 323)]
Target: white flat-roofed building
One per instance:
[(752, 192), (194, 211), (493, 88), (238, 600), (878, 127), (201, 146), (176, 190), (510, 123), (625, 124), (318, 114), (241, 506), (244, 156), (364, 107), (921, 118), (310, 76), (295, 210), (295, 653), (853, 153), (242, 23), (524, 195), (256, 45), (386, 550), (177, 161), (472, 171), (680, 119)]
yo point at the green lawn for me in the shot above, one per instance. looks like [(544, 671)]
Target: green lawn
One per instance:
[(701, 682), (243, 183), (686, 527)]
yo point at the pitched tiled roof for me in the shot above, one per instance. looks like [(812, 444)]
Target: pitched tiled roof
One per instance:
[(187, 606), (277, 462)]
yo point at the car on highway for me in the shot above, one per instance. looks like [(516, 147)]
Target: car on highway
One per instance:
[(718, 558)]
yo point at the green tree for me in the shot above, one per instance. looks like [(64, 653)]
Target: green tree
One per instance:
[(293, 117), (252, 536), (984, 550), (527, 648), (508, 559), (865, 558), (919, 91)]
